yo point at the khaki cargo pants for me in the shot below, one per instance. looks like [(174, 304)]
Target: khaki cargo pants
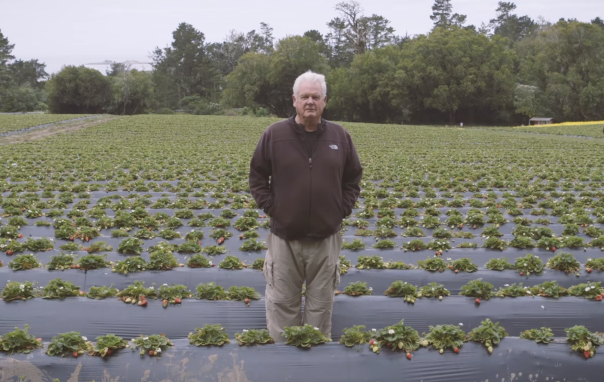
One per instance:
[(287, 265)]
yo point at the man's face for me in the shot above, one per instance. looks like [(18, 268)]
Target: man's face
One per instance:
[(310, 102)]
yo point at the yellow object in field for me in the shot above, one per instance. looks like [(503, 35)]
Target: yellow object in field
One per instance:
[(585, 123)]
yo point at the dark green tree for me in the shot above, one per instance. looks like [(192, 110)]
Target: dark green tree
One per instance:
[(443, 16), (132, 92), (77, 90), (31, 73), (510, 25)]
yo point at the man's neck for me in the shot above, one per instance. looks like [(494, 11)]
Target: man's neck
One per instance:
[(310, 125)]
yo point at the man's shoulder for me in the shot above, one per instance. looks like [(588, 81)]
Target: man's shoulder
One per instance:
[(336, 131), (278, 129)]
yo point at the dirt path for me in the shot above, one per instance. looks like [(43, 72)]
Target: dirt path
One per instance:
[(53, 130)]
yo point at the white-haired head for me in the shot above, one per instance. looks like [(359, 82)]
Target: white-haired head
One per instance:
[(311, 77)]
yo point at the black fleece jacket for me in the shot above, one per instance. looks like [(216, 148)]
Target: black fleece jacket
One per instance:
[(307, 195)]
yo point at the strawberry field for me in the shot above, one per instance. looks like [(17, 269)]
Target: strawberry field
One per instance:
[(132, 249)]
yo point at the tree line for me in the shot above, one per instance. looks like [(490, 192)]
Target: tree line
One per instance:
[(501, 72)]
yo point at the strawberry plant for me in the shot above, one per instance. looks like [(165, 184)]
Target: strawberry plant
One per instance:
[(528, 265), (432, 264), (355, 336), (358, 288), (564, 262), (463, 265), (570, 230), (189, 246), (385, 244), (38, 245), (11, 246), (15, 290), (478, 289), (209, 335), (549, 243), (491, 231), (597, 242), (455, 221), (433, 290), (593, 231), (370, 262), (137, 293), (304, 336), (246, 224), (231, 262), (162, 260), (538, 232), (220, 235), (431, 222), (244, 294), (495, 243), (258, 264), (522, 242), (102, 292), (199, 261), (188, 214), (442, 337), (439, 245), (414, 245), (129, 265), (214, 250), (144, 234), (414, 232), (398, 265), (211, 291), (488, 334), (573, 241), (168, 234), (253, 337), (396, 337), (99, 246), (402, 289), (71, 343), (118, 233), (173, 223), (107, 345), (249, 235), (514, 291), (59, 288), (407, 222), (24, 262), (355, 245), (163, 246), (499, 264), (360, 223), (252, 246), (9, 232), (19, 341), (130, 246), (172, 294), (597, 264), (543, 335), (590, 290), (467, 245), (153, 344), (583, 341), (549, 289), (61, 262)]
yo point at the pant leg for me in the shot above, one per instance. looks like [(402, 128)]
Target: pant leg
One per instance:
[(284, 274), (322, 278)]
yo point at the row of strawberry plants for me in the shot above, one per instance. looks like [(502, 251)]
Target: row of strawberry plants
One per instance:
[(397, 337)]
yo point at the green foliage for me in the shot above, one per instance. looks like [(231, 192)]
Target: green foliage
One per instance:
[(102, 292), (19, 341), (463, 265), (355, 245), (129, 265), (513, 291), (252, 245), (499, 264), (583, 341), (432, 264), (414, 245), (543, 335), (495, 243), (15, 290), (370, 262), (355, 336), (231, 262), (549, 289), (432, 290), (597, 264), (397, 337), (68, 343), (488, 334), (530, 264), (477, 288), (211, 291), (61, 262), (442, 337), (253, 337), (136, 291), (564, 262), (259, 264), (108, 344), (153, 344), (304, 336), (243, 293), (172, 292), (199, 261), (162, 260), (24, 262), (590, 290), (385, 244), (214, 250), (130, 246), (402, 289), (358, 288)]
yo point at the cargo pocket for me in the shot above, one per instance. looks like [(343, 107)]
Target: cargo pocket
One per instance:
[(337, 276), (268, 272)]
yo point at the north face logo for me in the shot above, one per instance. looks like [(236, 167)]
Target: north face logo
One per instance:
[(333, 147)]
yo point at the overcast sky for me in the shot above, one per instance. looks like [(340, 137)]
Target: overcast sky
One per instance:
[(76, 32)]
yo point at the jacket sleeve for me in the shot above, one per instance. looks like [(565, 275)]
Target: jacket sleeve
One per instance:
[(260, 171), (351, 178)]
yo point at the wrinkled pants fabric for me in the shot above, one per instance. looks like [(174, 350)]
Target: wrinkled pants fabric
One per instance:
[(288, 264)]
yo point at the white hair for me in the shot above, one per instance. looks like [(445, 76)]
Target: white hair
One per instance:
[(311, 77)]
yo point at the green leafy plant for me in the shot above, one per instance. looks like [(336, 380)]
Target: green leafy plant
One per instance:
[(597, 242), (414, 245), (583, 341), (214, 250), (153, 344), (162, 260), (137, 293), (209, 335), (211, 291), (258, 264), (107, 345), (385, 244), (499, 264), (19, 341), (355, 245), (597, 264), (549, 289), (355, 335), (530, 264), (442, 337), (370, 262), (99, 246), (61, 262), (402, 289), (432, 264), (397, 337), (433, 290), (38, 245), (24, 262), (231, 262), (130, 246), (129, 265), (252, 245), (358, 288), (543, 335), (59, 288), (70, 343), (522, 242), (172, 294), (304, 336), (564, 262), (488, 334), (414, 232), (495, 243), (243, 293), (102, 292), (189, 246), (478, 289), (199, 261), (590, 290), (463, 264), (15, 290), (89, 262), (514, 291), (254, 337)]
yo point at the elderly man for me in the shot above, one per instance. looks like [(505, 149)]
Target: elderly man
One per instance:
[(305, 174)]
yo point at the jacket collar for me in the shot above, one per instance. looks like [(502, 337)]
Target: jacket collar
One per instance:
[(299, 128)]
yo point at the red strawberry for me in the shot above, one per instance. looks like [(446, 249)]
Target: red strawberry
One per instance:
[(71, 266), (553, 249), (151, 353), (177, 300), (456, 350), (164, 303), (371, 342), (86, 238), (588, 270), (477, 301), (142, 303), (457, 271), (71, 238), (409, 356), (521, 273), (9, 252), (77, 266), (220, 240), (39, 339), (586, 354), (108, 352), (388, 344), (20, 236), (247, 301), (599, 298), (241, 237), (149, 228), (75, 354)]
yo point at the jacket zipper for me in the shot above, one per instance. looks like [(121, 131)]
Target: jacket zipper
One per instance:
[(310, 192)]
